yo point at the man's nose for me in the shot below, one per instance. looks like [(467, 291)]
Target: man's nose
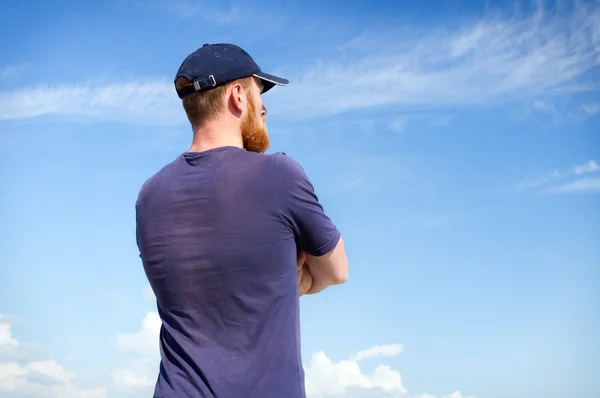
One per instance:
[(264, 111)]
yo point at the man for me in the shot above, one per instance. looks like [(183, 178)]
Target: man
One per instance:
[(229, 238)]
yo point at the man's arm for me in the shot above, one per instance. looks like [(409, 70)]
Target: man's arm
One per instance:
[(329, 269), (314, 232)]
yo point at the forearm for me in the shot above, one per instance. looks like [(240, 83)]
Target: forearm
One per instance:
[(316, 287), (326, 270), (320, 281), (304, 280)]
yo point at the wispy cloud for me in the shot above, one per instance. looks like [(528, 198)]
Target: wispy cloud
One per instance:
[(367, 173), (7, 71), (396, 122), (218, 14), (590, 109), (564, 110), (588, 167), (123, 102), (543, 106), (118, 299), (495, 59), (149, 294), (385, 350), (580, 185), (195, 10), (456, 394), (573, 179)]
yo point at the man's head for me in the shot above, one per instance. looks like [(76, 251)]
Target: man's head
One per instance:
[(222, 81)]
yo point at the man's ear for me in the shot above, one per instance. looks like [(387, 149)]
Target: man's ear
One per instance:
[(237, 97)]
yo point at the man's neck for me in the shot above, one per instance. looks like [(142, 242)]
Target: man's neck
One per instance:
[(213, 136)]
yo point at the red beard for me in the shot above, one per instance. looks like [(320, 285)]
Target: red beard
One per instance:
[(254, 133)]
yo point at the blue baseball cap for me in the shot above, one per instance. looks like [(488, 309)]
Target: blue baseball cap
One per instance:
[(215, 64)]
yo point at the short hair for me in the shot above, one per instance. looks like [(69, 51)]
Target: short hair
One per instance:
[(204, 105)]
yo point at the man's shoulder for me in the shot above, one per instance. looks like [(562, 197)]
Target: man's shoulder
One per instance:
[(152, 183), (284, 165)]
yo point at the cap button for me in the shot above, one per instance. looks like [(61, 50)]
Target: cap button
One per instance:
[(205, 44)]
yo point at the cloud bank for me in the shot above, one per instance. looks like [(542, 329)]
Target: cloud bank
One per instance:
[(30, 375), (25, 373), (324, 377)]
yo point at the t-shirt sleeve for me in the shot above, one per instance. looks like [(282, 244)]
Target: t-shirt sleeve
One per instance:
[(313, 230)]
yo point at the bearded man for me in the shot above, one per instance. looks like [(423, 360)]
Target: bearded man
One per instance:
[(229, 238)]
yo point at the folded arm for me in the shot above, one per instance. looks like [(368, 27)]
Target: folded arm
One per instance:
[(316, 236), (316, 273), (328, 269)]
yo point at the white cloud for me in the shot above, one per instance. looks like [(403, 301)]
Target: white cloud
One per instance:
[(555, 176), (494, 59), (399, 123), (7, 71), (149, 294), (141, 371), (588, 167), (138, 102), (144, 341), (118, 299), (456, 394), (133, 379), (324, 378), (365, 173), (543, 106), (590, 109), (346, 379), (193, 10), (581, 185), (6, 336), (11, 350), (22, 377), (386, 350)]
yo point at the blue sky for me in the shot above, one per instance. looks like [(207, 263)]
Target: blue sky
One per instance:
[(455, 145)]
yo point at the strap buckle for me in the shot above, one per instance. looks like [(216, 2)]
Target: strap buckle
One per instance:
[(210, 80)]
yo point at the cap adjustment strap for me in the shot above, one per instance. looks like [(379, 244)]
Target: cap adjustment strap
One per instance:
[(204, 83), (197, 85)]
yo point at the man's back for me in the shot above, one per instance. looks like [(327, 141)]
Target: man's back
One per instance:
[(218, 233)]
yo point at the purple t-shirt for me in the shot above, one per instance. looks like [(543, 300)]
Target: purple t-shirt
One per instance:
[(218, 233)]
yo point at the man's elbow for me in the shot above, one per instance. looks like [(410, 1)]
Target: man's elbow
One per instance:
[(340, 277)]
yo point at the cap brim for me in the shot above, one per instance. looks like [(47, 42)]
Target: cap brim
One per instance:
[(269, 81)]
